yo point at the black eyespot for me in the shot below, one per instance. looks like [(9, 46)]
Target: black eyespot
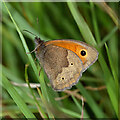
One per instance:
[(83, 52), (71, 63), (62, 78)]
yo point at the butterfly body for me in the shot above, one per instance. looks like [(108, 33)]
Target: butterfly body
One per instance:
[(64, 61)]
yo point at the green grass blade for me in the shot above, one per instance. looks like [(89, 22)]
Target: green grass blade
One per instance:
[(95, 25), (43, 85), (70, 113), (83, 27), (97, 111), (108, 80), (21, 22), (17, 98), (9, 74), (111, 13), (45, 104), (14, 108), (24, 44), (112, 67), (115, 78), (24, 91), (10, 36), (85, 115), (43, 115), (66, 24), (107, 37)]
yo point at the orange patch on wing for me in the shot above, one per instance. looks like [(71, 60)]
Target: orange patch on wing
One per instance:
[(70, 45)]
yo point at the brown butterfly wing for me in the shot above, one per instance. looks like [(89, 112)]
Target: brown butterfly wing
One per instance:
[(63, 67), (77, 46)]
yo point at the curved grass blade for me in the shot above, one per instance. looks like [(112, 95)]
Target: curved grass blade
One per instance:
[(83, 27), (17, 98), (70, 113), (43, 115), (24, 44)]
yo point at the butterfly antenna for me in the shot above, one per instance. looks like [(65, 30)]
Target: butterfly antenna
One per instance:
[(36, 39), (30, 32)]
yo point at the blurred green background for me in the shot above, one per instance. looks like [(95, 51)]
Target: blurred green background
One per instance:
[(94, 23)]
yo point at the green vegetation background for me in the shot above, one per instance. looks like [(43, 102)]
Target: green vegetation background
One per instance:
[(93, 23)]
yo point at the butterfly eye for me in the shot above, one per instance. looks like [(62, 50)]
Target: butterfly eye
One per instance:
[(71, 63), (62, 78), (83, 52)]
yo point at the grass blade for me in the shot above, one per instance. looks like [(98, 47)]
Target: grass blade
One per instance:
[(83, 27), (107, 37), (71, 113), (97, 111), (42, 113), (45, 104), (24, 44), (115, 78), (111, 13), (16, 97), (79, 107), (95, 25)]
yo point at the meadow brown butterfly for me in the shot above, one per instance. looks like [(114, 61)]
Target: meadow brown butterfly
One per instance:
[(64, 61)]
